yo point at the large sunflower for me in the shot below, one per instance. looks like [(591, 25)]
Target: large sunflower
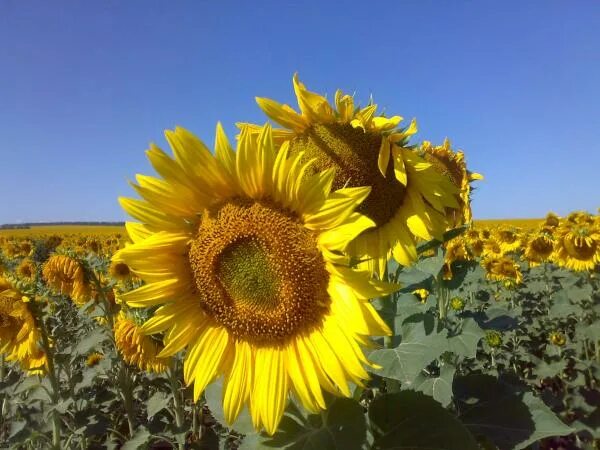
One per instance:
[(19, 336), (453, 165), (408, 199), (577, 243), (539, 248), (243, 252), (66, 275)]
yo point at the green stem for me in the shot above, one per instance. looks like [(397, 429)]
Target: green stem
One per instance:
[(51, 373), (178, 405)]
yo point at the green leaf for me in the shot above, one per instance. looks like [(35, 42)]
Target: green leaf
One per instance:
[(440, 388), (342, 426), (157, 402), (502, 413), (412, 421), (465, 343), (431, 265), (93, 341), (414, 353), (139, 439)]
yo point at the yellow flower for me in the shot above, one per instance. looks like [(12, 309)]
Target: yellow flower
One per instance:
[(119, 270), (452, 164), (493, 338), (422, 294), (67, 276), (509, 239), (19, 336), (27, 269), (577, 244), (501, 268), (558, 339), (551, 221), (93, 359), (408, 199), (491, 247), (136, 348), (539, 248), (456, 251), (243, 252), (457, 304)]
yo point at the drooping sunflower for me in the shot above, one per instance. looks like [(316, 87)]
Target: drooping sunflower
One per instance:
[(539, 248), (408, 199), (491, 247), (136, 348), (456, 250), (93, 359), (551, 221), (502, 268), (119, 270), (577, 244), (243, 252), (453, 165), (67, 276), (19, 336)]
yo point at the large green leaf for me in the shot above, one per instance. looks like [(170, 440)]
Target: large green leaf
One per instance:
[(503, 413), (414, 353), (465, 343), (410, 420), (440, 388)]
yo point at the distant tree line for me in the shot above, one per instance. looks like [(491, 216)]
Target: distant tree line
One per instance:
[(20, 226)]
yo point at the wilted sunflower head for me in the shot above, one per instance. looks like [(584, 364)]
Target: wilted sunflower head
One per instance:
[(66, 275), (539, 248), (501, 268), (408, 198), (577, 245), (580, 218), (453, 165), (242, 252)]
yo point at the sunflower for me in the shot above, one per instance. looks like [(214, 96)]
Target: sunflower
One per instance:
[(502, 268), (509, 239), (491, 247), (243, 252), (408, 198), (577, 244), (557, 338), (94, 359), (136, 348), (452, 164), (27, 269), (19, 336), (119, 270), (67, 276), (551, 221), (456, 251), (539, 248)]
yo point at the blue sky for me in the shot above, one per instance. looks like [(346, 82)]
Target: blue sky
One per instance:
[(85, 86)]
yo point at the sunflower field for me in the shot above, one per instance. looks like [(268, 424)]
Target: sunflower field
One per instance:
[(318, 285)]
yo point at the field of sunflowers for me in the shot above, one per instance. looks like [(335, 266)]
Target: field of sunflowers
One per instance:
[(316, 286)]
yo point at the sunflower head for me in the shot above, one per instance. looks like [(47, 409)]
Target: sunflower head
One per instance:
[(67, 276), (493, 338), (539, 248), (19, 336), (551, 221), (557, 338), (242, 252), (457, 303), (136, 348), (408, 198), (94, 359), (577, 244), (119, 270), (508, 238), (502, 268), (27, 269), (453, 165), (422, 294)]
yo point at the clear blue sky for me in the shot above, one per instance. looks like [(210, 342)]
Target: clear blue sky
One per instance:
[(85, 86)]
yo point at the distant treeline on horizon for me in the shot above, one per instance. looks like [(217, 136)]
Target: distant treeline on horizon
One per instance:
[(20, 226)]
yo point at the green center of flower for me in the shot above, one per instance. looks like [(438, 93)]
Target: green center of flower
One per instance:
[(354, 153), (258, 271), (245, 272)]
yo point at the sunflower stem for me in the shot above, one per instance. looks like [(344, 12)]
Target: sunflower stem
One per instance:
[(51, 373), (178, 405)]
